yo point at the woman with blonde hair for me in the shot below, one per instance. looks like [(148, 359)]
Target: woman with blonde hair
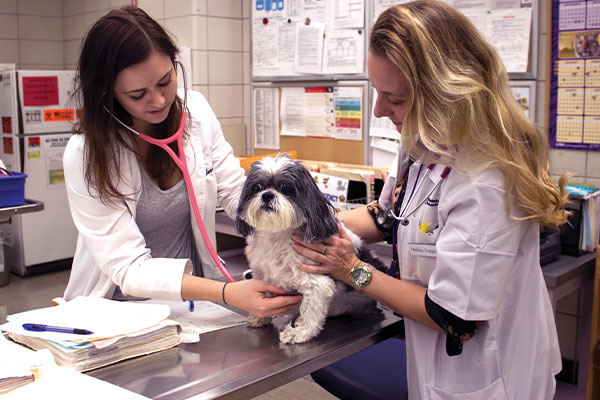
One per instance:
[(472, 190)]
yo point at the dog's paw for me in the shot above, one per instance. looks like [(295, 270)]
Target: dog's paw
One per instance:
[(296, 334), (255, 322)]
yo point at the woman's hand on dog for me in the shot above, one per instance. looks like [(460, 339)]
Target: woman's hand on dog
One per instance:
[(335, 256), (253, 296)]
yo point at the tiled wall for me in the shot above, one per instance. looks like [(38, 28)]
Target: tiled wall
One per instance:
[(31, 33), (46, 34)]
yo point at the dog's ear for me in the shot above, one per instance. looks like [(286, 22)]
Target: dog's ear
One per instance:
[(318, 211), (242, 227)]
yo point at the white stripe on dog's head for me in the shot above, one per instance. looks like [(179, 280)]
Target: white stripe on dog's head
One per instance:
[(273, 165)]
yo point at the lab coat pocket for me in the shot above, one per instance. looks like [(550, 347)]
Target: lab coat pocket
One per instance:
[(425, 239), (428, 220), (494, 391), (423, 252), (423, 244)]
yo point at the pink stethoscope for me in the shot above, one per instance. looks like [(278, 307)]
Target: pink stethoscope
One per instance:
[(182, 164), (404, 214)]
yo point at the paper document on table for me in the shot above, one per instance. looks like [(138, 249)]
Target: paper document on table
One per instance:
[(206, 317), (20, 365), (48, 379)]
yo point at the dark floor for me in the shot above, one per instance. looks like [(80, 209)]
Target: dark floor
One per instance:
[(22, 294)]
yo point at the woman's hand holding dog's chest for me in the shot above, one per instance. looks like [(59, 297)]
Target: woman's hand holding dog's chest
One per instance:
[(253, 295), (335, 256)]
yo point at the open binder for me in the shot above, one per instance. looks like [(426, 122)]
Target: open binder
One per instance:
[(121, 330)]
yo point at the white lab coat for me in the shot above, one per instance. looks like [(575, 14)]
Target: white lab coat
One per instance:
[(110, 248), (481, 265)]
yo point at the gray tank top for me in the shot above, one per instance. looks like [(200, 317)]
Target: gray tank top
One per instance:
[(164, 219)]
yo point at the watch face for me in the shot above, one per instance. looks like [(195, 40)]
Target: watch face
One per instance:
[(361, 276)]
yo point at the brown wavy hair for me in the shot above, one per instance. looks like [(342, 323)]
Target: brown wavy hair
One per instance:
[(462, 107), (120, 39)]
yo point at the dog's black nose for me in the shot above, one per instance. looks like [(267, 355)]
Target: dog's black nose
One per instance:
[(267, 197)]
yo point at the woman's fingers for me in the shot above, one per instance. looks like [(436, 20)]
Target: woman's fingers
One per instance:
[(314, 269), (317, 247), (278, 305)]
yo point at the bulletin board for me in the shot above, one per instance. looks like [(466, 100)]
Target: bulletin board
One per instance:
[(510, 26), (308, 39), (574, 98), (323, 121), (304, 44)]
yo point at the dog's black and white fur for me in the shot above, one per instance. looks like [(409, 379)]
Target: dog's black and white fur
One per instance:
[(280, 198)]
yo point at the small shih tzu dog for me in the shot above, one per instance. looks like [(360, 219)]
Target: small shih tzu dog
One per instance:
[(280, 198)]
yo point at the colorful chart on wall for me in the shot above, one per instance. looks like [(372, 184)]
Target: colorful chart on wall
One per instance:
[(575, 75)]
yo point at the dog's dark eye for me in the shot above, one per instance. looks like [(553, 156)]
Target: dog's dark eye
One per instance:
[(256, 188), (286, 189)]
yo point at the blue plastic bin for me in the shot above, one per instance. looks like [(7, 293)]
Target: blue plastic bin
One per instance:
[(12, 189)]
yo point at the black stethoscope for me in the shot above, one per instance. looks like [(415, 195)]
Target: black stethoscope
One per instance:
[(384, 217)]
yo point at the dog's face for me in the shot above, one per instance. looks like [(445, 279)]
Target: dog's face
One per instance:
[(280, 194)]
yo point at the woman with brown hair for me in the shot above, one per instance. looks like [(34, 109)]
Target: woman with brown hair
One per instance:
[(137, 232)]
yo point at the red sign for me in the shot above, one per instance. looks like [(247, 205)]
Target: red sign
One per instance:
[(8, 145), (40, 91), (34, 141), (6, 125), (59, 115)]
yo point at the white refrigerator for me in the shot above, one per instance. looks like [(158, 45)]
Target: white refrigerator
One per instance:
[(37, 117)]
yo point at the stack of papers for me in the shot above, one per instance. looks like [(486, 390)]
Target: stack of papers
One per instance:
[(206, 317), (14, 381), (120, 330)]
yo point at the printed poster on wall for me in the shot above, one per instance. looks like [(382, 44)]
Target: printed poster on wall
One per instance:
[(575, 79), (266, 118), (348, 112)]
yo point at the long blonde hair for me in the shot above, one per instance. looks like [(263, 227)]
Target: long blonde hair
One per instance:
[(462, 107)]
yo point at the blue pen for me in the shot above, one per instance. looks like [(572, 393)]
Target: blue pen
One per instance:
[(191, 305), (49, 328)]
